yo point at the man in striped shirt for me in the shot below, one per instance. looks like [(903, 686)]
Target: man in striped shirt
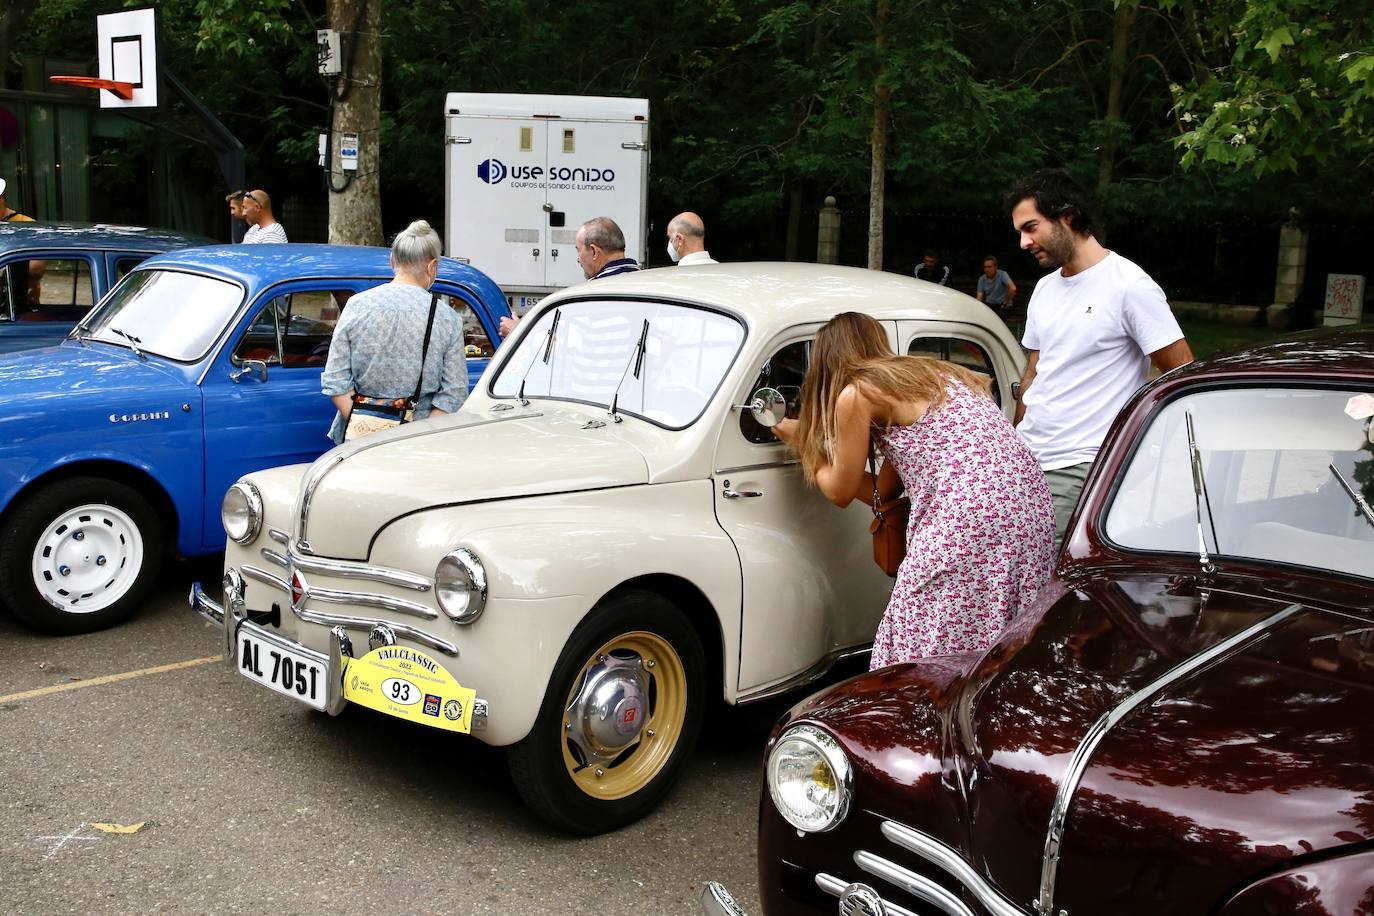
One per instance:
[(263, 228)]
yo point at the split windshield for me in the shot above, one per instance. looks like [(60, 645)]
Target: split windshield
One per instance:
[(581, 352), (1284, 471), (166, 312)]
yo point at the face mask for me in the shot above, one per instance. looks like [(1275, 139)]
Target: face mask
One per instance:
[(672, 252)]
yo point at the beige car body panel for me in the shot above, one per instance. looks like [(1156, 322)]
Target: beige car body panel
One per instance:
[(563, 505)]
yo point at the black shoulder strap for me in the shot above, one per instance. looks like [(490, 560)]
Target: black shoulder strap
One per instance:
[(424, 349)]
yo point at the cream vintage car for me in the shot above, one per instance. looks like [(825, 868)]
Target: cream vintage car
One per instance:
[(605, 538)]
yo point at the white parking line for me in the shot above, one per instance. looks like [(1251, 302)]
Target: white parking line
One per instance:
[(107, 679)]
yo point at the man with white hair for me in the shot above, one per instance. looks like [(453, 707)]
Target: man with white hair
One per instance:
[(687, 241)]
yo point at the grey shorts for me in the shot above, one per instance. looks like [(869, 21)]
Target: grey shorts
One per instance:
[(1065, 485)]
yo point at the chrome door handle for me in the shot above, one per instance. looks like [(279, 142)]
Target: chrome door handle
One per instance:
[(740, 494)]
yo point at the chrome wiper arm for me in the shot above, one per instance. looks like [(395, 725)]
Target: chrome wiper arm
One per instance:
[(1353, 494), (133, 341), (637, 361), (1200, 497), (547, 346)]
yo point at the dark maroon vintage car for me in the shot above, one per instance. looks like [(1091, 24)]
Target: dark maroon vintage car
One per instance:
[(1183, 725)]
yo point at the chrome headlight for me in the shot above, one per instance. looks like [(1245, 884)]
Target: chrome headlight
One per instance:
[(809, 779), (460, 583), (241, 512)]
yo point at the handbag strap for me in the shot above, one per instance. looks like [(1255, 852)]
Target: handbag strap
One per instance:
[(873, 459), (424, 349)]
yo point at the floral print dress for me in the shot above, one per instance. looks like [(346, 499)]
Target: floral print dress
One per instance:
[(980, 542)]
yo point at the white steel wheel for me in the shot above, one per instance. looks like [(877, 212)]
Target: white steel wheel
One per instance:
[(78, 555), (87, 558)]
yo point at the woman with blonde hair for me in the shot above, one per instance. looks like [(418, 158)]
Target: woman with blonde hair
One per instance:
[(980, 540)]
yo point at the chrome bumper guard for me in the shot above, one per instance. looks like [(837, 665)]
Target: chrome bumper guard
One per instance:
[(233, 611), (716, 901)]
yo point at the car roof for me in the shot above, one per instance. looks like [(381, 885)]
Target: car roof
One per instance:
[(795, 293), (95, 236), (1324, 351), (261, 265)]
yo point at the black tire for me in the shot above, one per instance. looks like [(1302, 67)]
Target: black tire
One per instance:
[(538, 765), (112, 570)]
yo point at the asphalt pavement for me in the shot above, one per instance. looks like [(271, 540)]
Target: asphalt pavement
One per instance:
[(141, 775)]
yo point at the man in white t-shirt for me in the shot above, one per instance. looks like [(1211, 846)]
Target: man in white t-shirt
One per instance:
[(1092, 328)]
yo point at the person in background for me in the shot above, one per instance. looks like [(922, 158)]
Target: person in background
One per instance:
[(263, 228), (687, 241), (995, 287), (376, 353), (34, 283), (931, 269), (236, 225), (600, 253), (8, 215), (980, 540), (1093, 326)]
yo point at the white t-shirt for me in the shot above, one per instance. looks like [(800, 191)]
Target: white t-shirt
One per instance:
[(1094, 331)]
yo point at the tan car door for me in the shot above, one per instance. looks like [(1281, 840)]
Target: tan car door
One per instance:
[(811, 589)]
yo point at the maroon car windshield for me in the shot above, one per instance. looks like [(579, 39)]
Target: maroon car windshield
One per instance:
[(1282, 474)]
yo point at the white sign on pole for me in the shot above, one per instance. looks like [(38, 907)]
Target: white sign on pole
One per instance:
[(348, 153), (1344, 299)]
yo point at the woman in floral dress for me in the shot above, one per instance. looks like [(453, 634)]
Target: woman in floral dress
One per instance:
[(980, 542)]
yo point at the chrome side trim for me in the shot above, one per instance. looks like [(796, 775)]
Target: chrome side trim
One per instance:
[(950, 861), (330, 460), (758, 467), (836, 888), (805, 677), (281, 537), (263, 575), (385, 602), (273, 556), (1073, 775), (346, 570), (918, 886)]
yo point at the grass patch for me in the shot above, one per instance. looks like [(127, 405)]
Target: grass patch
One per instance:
[(1209, 337)]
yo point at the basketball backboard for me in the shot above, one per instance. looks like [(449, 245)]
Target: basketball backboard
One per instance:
[(127, 46)]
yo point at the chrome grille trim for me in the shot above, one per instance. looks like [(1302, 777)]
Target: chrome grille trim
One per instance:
[(272, 556), (835, 887), (949, 860), (1078, 764), (918, 886), (344, 569), (385, 602), (281, 537), (263, 575)]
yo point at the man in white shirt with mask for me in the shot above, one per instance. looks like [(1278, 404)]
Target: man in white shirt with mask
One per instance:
[(687, 241), (1093, 327)]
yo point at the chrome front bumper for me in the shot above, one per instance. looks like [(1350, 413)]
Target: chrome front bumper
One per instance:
[(716, 901)]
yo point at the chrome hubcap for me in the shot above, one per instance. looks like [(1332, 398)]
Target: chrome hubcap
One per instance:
[(607, 713), (87, 558)]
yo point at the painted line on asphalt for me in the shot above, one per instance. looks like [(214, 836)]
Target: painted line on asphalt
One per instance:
[(107, 679)]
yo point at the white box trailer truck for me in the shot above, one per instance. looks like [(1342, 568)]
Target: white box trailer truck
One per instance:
[(523, 172)]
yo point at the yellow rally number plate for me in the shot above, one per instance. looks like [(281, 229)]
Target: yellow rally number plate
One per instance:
[(408, 684)]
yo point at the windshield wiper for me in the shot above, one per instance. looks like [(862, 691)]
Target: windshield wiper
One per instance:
[(133, 342), (1353, 494), (548, 353), (637, 360), (1200, 497)]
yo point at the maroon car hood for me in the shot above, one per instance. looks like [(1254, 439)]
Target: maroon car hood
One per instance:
[(1259, 758)]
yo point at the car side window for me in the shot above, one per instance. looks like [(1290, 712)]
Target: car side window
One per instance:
[(293, 330), (52, 289), (784, 370), (125, 264), (961, 352), (476, 343)]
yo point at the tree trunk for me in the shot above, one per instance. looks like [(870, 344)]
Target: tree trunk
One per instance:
[(1121, 40), (881, 99), (355, 210)]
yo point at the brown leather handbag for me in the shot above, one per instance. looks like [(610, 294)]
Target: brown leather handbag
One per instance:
[(889, 525)]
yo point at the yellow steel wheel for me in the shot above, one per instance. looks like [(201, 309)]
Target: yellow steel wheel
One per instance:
[(659, 730)]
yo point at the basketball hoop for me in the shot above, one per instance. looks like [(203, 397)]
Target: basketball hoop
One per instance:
[(123, 90)]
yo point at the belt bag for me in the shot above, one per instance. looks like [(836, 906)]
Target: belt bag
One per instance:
[(369, 415), (888, 527)]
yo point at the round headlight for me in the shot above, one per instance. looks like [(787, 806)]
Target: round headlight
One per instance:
[(808, 779), (460, 583), (241, 512)]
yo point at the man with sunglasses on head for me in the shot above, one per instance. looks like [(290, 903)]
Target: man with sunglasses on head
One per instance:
[(263, 228)]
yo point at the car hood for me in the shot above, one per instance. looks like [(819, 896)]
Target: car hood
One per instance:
[(1210, 776), (71, 369), (356, 489)]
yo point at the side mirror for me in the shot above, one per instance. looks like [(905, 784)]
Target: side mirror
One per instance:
[(768, 407), (250, 365)]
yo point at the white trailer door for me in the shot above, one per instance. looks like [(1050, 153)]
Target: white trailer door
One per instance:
[(594, 168), (495, 213)]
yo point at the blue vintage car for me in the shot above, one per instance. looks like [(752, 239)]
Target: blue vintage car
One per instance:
[(52, 273), (202, 365)]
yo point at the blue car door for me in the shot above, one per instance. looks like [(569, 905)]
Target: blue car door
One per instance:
[(252, 423), (43, 294), (480, 335)]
